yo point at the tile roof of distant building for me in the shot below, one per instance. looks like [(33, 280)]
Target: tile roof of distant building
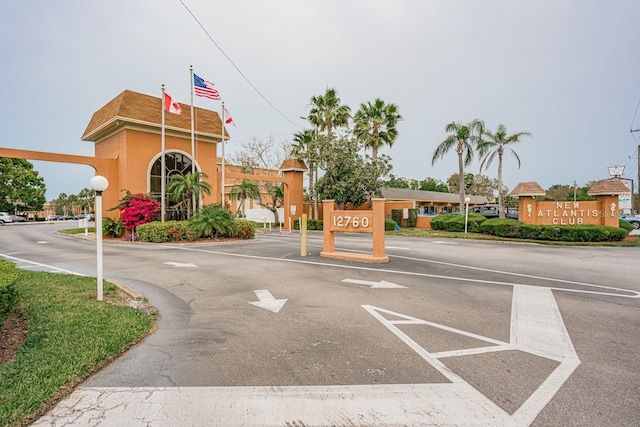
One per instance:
[(130, 107), (608, 186), (530, 188)]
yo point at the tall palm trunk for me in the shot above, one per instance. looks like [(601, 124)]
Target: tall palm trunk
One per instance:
[(500, 198), (460, 150)]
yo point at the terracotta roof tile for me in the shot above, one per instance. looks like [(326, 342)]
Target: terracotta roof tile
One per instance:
[(293, 165), (608, 186), (530, 188), (129, 106)]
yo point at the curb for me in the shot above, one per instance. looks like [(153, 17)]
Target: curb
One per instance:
[(126, 289)]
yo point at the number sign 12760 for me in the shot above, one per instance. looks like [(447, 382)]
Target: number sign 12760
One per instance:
[(357, 222)]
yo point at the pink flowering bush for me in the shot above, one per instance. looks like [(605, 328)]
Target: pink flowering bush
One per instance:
[(137, 209)]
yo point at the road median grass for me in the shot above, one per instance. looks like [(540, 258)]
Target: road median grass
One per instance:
[(71, 335)]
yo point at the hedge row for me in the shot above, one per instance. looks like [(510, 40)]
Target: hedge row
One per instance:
[(517, 230), (455, 222), (312, 224), (180, 231), (8, 276)]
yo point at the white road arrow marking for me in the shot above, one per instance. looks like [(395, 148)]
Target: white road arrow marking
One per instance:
[(267, 301), (382, 284), (42, 242), (180, 264)]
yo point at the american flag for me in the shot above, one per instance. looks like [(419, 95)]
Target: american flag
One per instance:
[(205, 88)]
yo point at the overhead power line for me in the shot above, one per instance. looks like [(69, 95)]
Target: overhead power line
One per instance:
[(634, 119), (237, 68)]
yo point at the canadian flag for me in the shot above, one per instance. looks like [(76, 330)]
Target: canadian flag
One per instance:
[(172, 106), (227, 117)]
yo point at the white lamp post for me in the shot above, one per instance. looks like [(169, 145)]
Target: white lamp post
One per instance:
[(466, 213), (99, 184)]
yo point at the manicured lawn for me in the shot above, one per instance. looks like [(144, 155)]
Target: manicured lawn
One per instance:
[(70, 336)]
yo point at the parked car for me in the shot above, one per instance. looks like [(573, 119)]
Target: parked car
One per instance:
[(633, 220), (51, 218), (512, 213), (18, 218), (65, 218), (491, 211), (5, 218)]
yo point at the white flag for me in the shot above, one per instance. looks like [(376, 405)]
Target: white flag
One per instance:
[(227, 117)]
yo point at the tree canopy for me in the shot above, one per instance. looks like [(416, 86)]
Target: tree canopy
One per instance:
[(188, 188), (375, 125), (20, 185), (348, 177)]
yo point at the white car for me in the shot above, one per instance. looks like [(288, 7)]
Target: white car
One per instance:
[(5, 218)]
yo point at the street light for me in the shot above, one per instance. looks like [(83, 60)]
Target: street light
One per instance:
[(466, 213), (99, 184), (616, 172)]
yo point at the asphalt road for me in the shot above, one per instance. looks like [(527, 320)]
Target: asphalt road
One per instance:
[(449, 332)]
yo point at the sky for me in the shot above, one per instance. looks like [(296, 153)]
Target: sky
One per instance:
[(568, 71)]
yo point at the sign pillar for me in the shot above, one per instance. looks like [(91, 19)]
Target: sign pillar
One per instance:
[(354, 221), (378, 229)]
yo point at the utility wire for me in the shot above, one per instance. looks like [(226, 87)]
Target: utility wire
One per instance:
[(631, 129), (238, 69)]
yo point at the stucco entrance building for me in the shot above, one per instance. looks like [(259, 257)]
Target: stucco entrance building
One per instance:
[(126, 133)]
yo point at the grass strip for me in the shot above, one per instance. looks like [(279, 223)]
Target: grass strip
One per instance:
[(71, 335)]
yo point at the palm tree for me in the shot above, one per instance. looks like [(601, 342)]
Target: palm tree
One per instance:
[(188, 187), (375, 125), (213, 221), (327, 112), (493, 145), (86, 198), (243, 191), (463, 138)]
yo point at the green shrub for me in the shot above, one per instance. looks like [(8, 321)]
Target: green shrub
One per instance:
[(112, 228), (245, 229), (312, 224), (168, 231), (455, 222), (396, 215), (502, 227), (389, 225), (625, 224), (213, 221), (413, 218), (8, 276)]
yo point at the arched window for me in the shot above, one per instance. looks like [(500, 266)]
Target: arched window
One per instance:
[(175, 163)]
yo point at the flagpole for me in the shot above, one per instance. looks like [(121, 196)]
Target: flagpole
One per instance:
[(193, 152), (193, 158), (223, 182), (163, 172)]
